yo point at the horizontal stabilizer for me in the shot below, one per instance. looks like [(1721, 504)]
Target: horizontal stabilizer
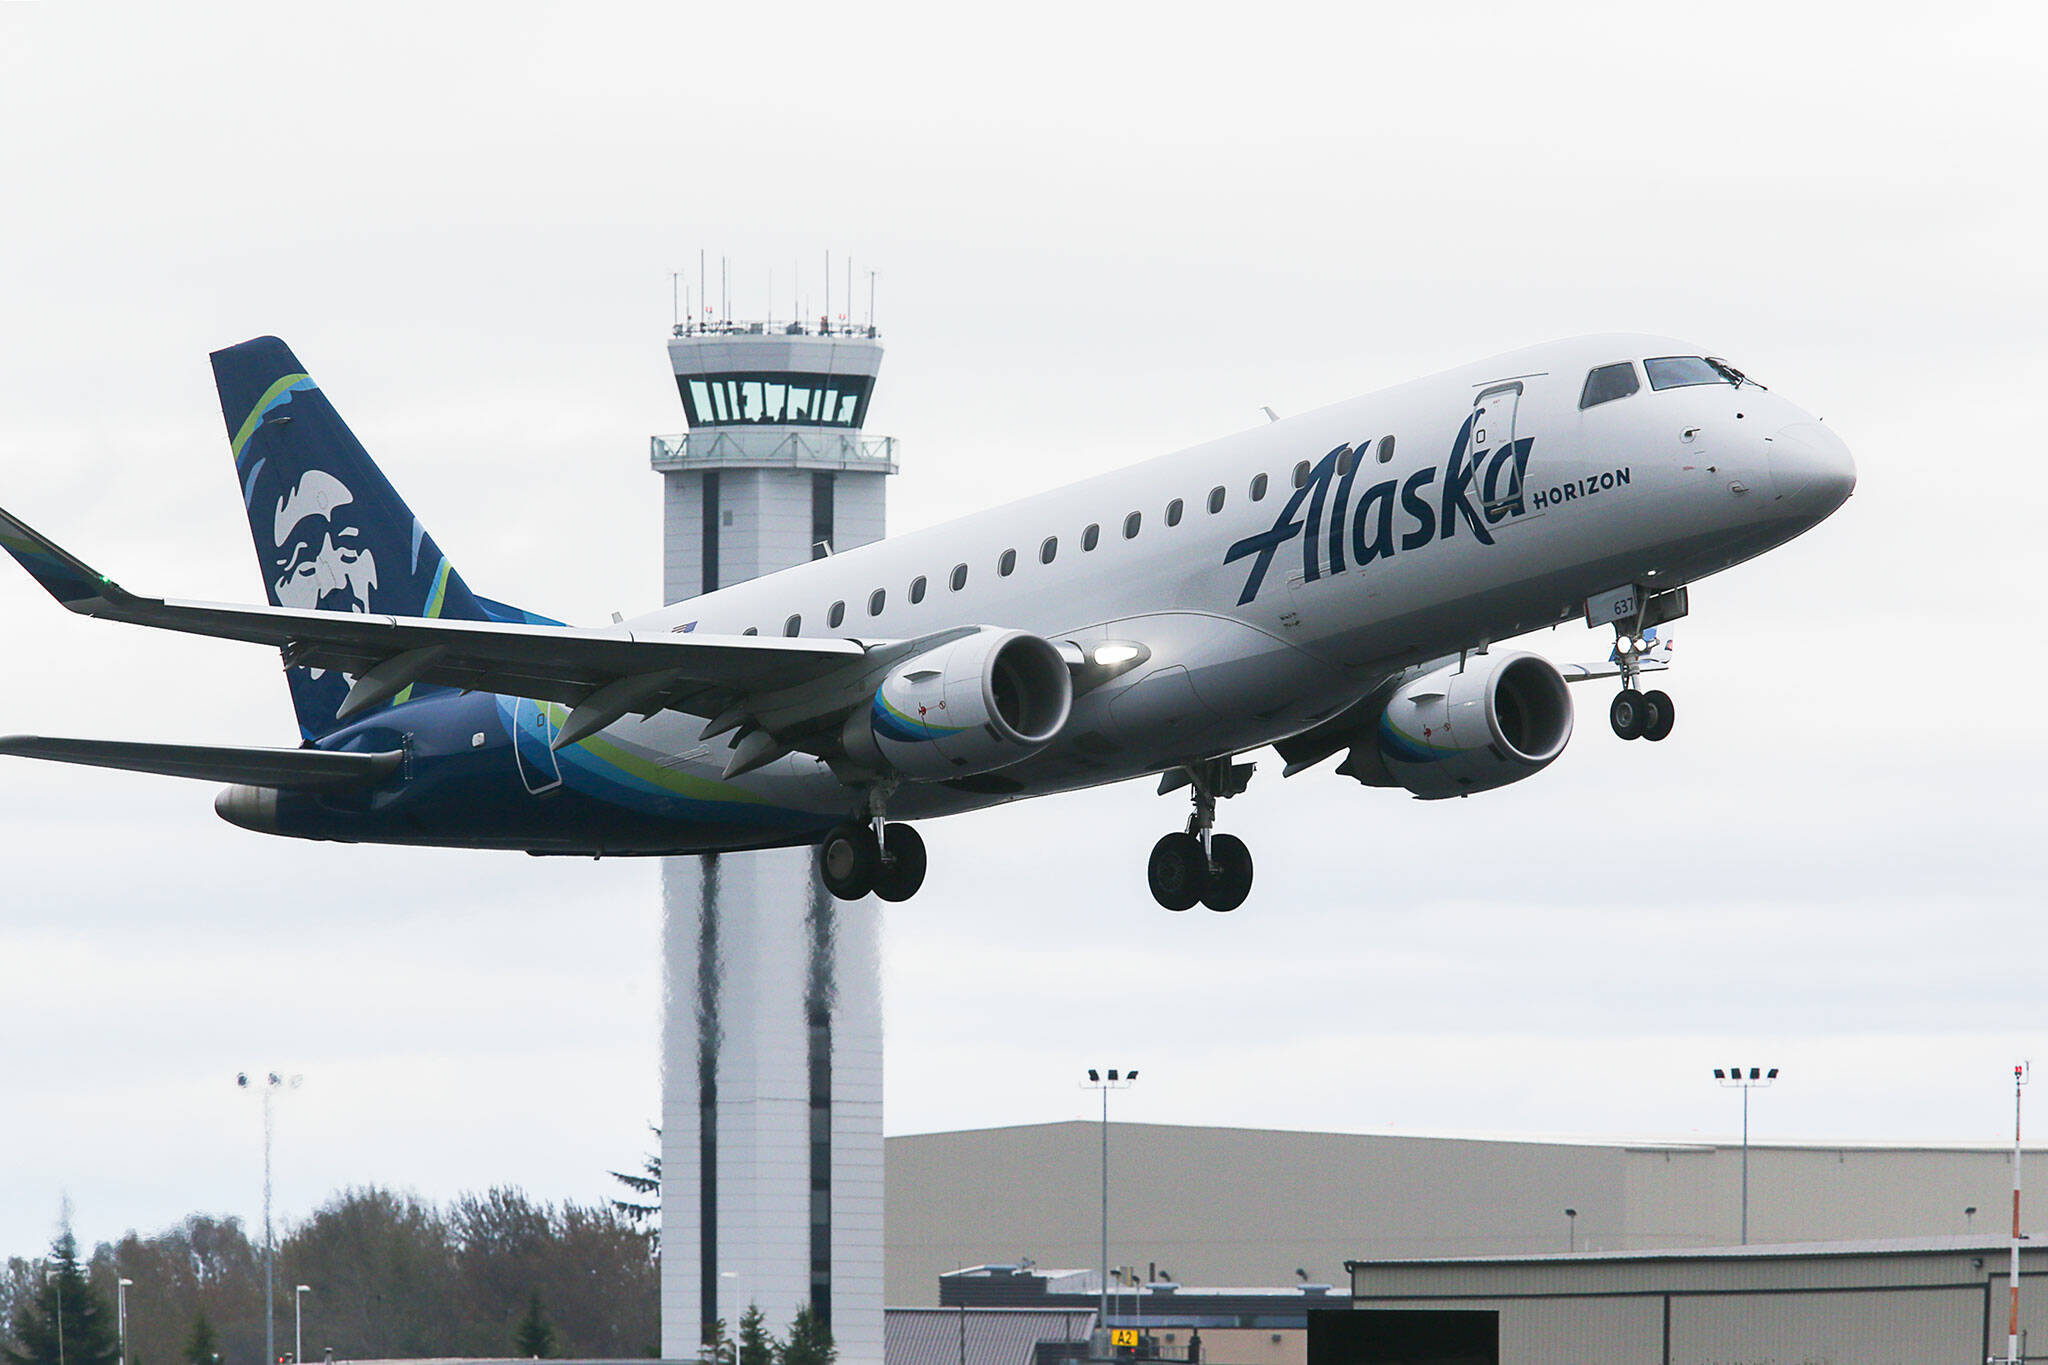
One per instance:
[(300, 769)]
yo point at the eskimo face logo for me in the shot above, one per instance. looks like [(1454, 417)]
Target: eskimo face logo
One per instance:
[(321, 560), (1480, 490)]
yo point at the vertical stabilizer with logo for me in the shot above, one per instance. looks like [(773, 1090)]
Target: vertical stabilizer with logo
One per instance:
[(331, 533)]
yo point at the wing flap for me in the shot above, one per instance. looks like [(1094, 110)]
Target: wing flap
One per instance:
[(300, 769)]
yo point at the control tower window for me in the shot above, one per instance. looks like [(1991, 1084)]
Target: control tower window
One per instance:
[(1258, 487), (1007, 565), (774, 398), (1682, 371), (1173, 511), (877, 600), (1216, 500), (1609, 382), (1091, 537), (836, 615), (917, 590), (794, 626), (959, 579)]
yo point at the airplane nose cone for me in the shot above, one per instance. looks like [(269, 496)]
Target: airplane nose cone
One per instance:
[(1811, 469)]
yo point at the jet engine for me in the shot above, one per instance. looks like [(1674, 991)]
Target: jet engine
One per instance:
[(969, 706), (1494, 719)]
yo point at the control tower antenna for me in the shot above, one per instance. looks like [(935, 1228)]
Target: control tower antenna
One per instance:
[(702, 292), (825, 318), (871, 299)]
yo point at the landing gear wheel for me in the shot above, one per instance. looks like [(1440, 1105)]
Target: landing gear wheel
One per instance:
[(1230, 873), (1177, 871), (848, 860), (902, 867), (1661, 715), (1627, 714)]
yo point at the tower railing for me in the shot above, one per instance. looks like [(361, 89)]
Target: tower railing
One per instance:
[(812, 449)]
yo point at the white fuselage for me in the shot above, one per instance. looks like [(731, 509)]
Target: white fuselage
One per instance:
[(1657, 488)]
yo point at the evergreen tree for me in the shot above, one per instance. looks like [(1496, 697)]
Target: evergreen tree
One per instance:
[(202, 1347), (757, 1345), (717, 1349), (535, 1335), (810, 1341), (65, 1319)]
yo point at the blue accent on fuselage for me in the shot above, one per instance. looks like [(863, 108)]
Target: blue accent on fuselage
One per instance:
[(455, 792)]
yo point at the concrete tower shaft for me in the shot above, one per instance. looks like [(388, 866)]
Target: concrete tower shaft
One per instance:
[(772, 1027)]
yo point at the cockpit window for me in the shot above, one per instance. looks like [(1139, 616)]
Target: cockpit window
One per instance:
[(1680, 371), (1607, 383)]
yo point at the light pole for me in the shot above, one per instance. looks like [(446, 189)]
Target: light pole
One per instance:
[(121, 1314), (1757, 1079), (269, 1086), (1571, 1229), (1096, 1082), (299, 1324)]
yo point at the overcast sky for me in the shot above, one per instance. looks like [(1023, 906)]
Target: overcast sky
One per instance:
[(1101, 235)]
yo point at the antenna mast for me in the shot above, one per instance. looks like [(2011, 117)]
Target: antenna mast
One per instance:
[(2020, 1077)]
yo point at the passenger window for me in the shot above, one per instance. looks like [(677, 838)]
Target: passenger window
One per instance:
[(1609, 382), (1344, 459), (1091, 537), (794, 626), (917, 590), (1216, 500), (959, 579), (1386, 450), (1258, 487), (1007, 565), (876, 600), (1131, 524), (1301, 475), (751, 630), (1173, 510), (1049, 549), (836, 615)]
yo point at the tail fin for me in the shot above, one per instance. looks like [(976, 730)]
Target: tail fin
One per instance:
[(331, 533)]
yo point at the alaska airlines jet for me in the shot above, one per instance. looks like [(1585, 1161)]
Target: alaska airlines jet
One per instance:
[(1338, 582)]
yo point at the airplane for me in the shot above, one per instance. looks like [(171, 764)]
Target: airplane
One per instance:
[(1341, 581)]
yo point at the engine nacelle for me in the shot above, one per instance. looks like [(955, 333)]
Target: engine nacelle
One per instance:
[(970, 706), (1496, 719)]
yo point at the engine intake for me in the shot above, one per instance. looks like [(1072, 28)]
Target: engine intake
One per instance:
[(1495, 719), (969, 706)]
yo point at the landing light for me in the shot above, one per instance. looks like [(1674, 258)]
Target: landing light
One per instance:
[(1109, 656)]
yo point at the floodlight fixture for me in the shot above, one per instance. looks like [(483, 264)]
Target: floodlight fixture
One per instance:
[(1757, 1079), (1095, 1081)]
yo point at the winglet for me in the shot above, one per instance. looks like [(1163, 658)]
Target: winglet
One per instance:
[(63, 575)]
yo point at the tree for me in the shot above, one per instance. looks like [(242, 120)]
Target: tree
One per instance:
[(643, 1208), (717, 1348), (202, 1347), (535, 1336), (810, 1341), (757, 1345), (65, 1319)]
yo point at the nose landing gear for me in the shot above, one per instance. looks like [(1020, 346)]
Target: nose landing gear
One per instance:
[(1200, 864)]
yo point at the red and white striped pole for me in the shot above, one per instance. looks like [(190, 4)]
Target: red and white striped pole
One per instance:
[(2012, 1328)]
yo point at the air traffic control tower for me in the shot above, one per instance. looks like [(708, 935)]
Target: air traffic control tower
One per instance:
[(771, 1135)]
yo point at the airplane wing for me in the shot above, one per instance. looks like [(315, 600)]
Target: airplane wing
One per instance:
[(603, 674), (299, 769)]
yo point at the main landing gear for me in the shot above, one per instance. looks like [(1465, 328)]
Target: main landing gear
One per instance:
[(1635, 714), (874, 856), (1200, 864)]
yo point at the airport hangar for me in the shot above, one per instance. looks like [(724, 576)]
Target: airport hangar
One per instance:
[(1240, 1206)]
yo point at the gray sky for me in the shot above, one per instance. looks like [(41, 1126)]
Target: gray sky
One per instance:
[(1102, 236)]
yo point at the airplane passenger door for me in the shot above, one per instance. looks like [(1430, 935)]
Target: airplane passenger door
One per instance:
[(1499, 466), (533, 735)]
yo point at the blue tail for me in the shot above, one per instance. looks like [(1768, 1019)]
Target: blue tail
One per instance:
[(331, 533)]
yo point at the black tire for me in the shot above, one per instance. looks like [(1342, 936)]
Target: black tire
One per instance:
[(902, 867), (1627, 714), (1230, 873), (848, 861), (1177, 872), (1663, 714)]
